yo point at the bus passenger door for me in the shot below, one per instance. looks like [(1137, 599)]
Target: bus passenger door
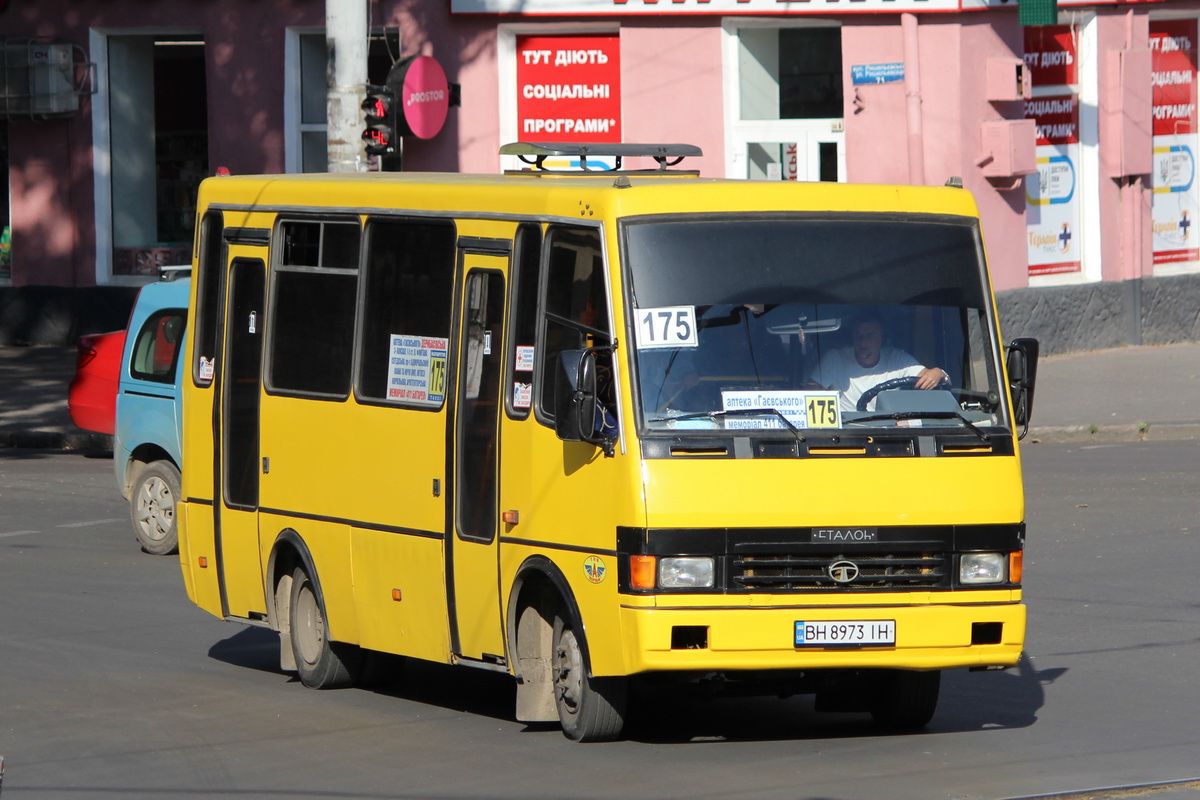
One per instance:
[(472, 546), (237, 480)]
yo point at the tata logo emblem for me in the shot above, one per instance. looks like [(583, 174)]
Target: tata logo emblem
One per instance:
[(843, 571)]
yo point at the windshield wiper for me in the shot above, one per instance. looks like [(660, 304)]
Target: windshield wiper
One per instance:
[(899, 415), (737, 412)]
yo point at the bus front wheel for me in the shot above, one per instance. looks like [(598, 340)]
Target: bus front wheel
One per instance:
[(321, 664), (904, 700), (590, 709)]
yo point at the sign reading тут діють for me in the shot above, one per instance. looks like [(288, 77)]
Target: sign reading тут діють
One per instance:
[(569, 88)]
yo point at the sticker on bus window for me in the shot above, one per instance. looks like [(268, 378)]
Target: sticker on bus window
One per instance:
[(207, 368), (803, 409), (522, 394), (417, 370), (524, 358), (667, 326)]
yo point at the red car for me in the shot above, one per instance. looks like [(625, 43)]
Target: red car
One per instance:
[(92, 399)]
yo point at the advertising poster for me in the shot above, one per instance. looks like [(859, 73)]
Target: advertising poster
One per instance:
[(1051, 193), (1052, 197), (1173, 79), (417, 369), (1050, 55), (569, 88)]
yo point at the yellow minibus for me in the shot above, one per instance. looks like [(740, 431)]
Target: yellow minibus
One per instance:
[(604, 426)]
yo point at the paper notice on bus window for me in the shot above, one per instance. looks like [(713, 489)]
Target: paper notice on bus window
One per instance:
[(417, 370), (522, 394), (668, 326), (804, 409), (524, 358)]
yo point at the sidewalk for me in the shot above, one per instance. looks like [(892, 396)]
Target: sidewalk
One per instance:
[(33, 401), (1124, 394), (1150, 392)]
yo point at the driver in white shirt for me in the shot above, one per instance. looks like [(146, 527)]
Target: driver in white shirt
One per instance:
[(867, 363)]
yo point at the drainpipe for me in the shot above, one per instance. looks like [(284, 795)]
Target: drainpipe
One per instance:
[(912, 100), (1133, 191), (346, 77), (1132, 194)]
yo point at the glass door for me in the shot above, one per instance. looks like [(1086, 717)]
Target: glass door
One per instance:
[(785, 114)]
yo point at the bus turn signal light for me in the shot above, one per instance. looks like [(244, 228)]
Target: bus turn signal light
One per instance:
[(643, 572), (1016, 565)]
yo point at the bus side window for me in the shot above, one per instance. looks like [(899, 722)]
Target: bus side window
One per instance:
[(575, 306), (314, 290), (408, 287), (211, 265), (523, 322)]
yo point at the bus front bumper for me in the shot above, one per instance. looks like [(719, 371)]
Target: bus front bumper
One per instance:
[(755, 638)]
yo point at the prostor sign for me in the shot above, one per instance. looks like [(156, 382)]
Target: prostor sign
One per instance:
[(424, 97)]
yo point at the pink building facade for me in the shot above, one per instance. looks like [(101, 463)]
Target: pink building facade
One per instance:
[(1078, 140)]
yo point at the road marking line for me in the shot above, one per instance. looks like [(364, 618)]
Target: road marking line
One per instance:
[(16, 533), (88, 523)]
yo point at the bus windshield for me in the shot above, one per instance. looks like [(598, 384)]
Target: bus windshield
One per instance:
[(810, 322)]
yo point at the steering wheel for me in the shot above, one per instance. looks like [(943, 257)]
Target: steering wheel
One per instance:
[(894, 383)]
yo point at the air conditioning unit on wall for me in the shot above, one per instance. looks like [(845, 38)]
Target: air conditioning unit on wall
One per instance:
[(40, 79)]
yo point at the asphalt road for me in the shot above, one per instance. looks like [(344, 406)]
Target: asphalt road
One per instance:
[(113, 685)]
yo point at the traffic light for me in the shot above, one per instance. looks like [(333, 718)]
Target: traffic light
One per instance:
[(379, 131)]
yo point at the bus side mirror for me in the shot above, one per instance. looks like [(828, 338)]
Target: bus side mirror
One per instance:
[(578, 414), (1022, 359)]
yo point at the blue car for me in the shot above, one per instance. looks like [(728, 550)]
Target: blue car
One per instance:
[(146, 442)]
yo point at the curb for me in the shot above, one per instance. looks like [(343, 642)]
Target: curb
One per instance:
[(1128, 432)]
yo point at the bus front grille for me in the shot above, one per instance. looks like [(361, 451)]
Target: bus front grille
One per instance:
[(790, 572)]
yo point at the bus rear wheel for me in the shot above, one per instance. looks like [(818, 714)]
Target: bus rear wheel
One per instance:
[(590, 709), (320, 663), (905, 700)]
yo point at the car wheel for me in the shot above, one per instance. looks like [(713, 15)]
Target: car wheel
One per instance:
[(152, 506)]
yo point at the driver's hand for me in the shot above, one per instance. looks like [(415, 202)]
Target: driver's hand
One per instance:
[(930, 377)]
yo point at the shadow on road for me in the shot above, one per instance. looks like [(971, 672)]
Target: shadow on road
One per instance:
[(969, 701)]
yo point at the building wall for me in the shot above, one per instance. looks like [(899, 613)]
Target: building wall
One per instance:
[(671, 80), (675, 87)]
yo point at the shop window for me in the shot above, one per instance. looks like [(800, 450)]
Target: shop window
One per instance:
[(311, 65), (791, 73), (5, 217), (158, 118)]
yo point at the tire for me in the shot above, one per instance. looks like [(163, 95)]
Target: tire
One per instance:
[(152, 505), (905, 700), (589, 709), (320, 663)]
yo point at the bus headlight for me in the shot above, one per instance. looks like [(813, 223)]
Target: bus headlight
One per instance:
[(686, 572), (980, 568)]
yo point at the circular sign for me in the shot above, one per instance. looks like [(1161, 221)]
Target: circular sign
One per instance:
[(594, 569), (424, 97)]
